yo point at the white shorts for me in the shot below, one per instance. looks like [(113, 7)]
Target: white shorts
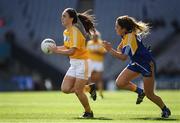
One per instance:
[(79, 68), (97, 66)]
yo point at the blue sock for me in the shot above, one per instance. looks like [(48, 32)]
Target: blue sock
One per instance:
[(139, 90)]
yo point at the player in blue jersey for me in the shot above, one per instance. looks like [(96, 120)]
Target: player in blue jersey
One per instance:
[(141, 62)]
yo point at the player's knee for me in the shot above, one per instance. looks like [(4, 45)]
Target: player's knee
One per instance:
[(65, 90), (120, 84)]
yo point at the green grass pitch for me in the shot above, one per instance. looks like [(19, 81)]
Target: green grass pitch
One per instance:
[(55, 107)]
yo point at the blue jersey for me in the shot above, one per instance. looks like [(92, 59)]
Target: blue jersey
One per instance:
[(140, 56)]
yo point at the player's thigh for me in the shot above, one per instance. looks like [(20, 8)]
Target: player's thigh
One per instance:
[(69, 79), (68, 83), (126, 76), (149, 81)]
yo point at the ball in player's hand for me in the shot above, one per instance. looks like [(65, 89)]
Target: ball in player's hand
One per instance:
[(46, 43)]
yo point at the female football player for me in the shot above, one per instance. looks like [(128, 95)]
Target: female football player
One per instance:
[(141, 58), (96, 55), (78, 27)]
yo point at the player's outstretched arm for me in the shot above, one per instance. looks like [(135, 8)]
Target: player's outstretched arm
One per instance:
[(113, 52)]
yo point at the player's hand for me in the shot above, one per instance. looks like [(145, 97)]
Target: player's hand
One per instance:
[(107, 45), (53, 48)]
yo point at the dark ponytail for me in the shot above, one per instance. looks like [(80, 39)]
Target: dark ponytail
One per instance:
[(86, 19)]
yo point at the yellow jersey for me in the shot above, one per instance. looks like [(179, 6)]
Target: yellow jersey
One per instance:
[(96, 50), (74, 38), (128, 43)]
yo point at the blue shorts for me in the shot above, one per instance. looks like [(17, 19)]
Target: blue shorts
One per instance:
[(143, 68)]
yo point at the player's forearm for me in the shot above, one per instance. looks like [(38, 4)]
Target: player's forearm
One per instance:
[(117, 54), (67, 52), (61, 47)]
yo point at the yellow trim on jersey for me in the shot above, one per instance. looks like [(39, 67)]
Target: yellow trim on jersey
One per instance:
[(129, 40)]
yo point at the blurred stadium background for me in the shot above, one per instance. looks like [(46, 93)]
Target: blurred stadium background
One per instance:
[(25, 23)]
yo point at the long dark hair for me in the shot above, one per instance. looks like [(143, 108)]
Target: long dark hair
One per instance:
[(130, 24), (86, 19)]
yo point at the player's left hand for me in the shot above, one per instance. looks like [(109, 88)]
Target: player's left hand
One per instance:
[(53, 48)]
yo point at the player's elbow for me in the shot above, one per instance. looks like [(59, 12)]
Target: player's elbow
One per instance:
[(124, 58)]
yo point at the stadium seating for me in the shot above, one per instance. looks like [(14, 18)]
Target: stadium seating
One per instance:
[(170, 59), (106, 13), (33, 21)]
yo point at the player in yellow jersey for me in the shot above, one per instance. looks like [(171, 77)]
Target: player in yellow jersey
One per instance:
[(96, 55), (78, 27)]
